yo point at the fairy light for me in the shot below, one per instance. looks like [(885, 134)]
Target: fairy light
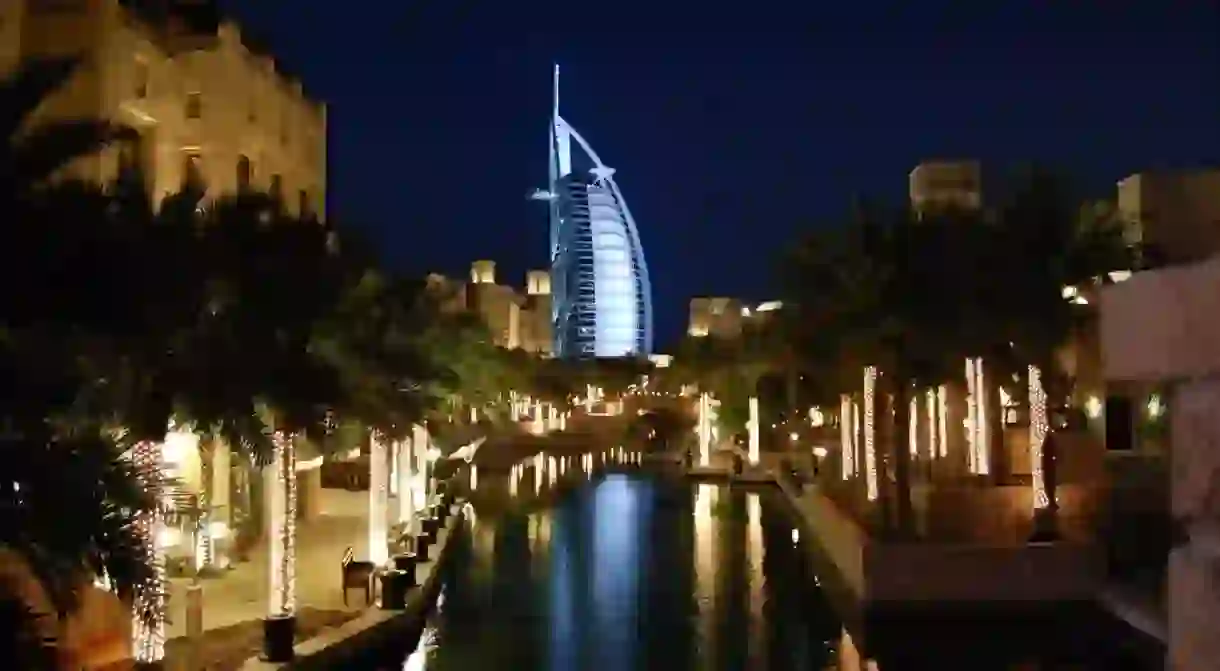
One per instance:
[(1039, 427), (942, 415), (983, 456), (406, 494), (847, 449), (870, 431), (282, 526), (913, 424), (379, 551), (930, 406), (753, 431), (149, 637), (971, 423), (705, 428)]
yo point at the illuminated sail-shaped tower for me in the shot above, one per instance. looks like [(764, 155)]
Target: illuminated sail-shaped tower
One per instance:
[(601, 297)]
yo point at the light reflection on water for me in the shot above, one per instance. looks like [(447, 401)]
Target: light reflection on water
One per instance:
[(626, 573)]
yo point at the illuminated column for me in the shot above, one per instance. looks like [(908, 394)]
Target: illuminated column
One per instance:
[(419, 441), (847, 447), (705, 429), (913, 424), (942, 420), (406, 493), (474, 415), (1039, 426), (978, 458), (378, 500), (588, 398), (754, 430), (149, 637), (281, 488), (870, 432), (539, 427)]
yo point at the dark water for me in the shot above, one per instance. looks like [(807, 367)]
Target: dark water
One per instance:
[(630, 572)]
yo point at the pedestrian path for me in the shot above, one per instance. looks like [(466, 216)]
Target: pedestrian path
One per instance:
[(240, 595)]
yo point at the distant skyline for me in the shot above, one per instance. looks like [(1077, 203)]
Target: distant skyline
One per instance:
[(732, 131)]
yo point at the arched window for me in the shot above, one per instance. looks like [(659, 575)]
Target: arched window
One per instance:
[(277, 187), (192, 170), (245, 174)]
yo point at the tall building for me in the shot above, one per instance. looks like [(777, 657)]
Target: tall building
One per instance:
[(601, 296), (513, 318), (210, 106), (1175, 215), (727, 317), (946, 185)]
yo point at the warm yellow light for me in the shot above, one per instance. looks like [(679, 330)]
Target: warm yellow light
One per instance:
[(1039, 427), (847, 443), (754, 431), (1093, 407), (1156, 407), (870, 432)]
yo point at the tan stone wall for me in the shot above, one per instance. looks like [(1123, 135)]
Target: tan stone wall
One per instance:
[(150, 79)]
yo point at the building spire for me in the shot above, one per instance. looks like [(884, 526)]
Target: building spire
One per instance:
[(555, 95)]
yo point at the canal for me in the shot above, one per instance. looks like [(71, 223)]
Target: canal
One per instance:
[(627, 571)]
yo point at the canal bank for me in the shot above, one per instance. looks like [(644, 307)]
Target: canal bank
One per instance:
[(627, 571), (363, 642), (897, 610)]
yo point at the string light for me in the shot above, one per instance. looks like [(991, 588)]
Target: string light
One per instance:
[(149, 637), (913, 424), (379, 551), (979, 461), (753, 431), (406, 503), (983, 457), (847, 448), (1039, 427), (930, 405), (942, 412), (282, 525), (971, 422), (870, 431)]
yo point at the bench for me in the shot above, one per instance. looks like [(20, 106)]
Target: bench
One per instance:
[(357, 575)]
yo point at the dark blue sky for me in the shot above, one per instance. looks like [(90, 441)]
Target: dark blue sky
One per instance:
[(731, 131)]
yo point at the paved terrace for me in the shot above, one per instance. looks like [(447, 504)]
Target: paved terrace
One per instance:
[(240, 595)]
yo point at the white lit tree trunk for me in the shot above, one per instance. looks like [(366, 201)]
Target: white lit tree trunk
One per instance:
[(149, 638), (705, 429), (378, 499), (281, 487), (754, 429), (420, 448), (406, 491)]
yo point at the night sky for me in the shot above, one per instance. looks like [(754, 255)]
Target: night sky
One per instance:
[(730, 131)]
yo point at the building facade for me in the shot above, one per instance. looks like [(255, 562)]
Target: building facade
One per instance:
[(515, 319), (212, 109), (722, 317), (1174, 215), (601, 294), (946, 185)]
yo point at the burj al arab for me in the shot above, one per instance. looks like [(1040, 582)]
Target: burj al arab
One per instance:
[(602, 299)]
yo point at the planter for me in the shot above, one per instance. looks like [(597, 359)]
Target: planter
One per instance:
[(422, 543), (278, 638), (405, 563)]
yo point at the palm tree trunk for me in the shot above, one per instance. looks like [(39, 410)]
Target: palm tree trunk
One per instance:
[(883, 432), (900, 448), (997, 454)]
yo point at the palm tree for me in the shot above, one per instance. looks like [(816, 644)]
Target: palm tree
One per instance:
[(34, 153)]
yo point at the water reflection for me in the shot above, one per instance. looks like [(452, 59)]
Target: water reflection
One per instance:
[(626, 573)]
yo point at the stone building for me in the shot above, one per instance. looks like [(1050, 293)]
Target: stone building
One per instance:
[(210, 106), (516, 320)]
